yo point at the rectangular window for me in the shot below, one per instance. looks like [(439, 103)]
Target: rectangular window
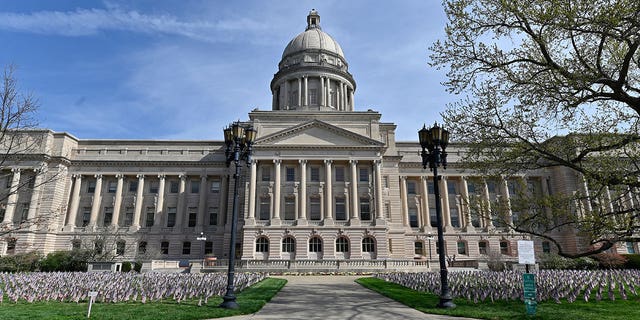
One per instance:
[(364, 175), (171, 216), (265, 208), (86, 216), (8, 182), (164, 247), (451, 187), (455, 217), (430, 189), (413, 217), (208, 247), (153, 187), (504, 247), (24, 214), (291, 174), (91, 186), (151, 211), (108, 216), (186, 247), (213, 216), (314, 208), (313, 97), (630, 248), (120, 246), (215, 186), (411, 187), (112, 186), (546, 247), (339, 174), (418, 248), (289, 208), (491, 185), (462, 247), (195, 186), (174, 186), (340, 209), (128, 216), (365, 209), (432, 217), (266, 174), (482, 247), (315, 174), (193, 216), (133, 186)]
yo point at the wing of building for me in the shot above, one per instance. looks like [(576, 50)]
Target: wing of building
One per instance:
[(327, 183)]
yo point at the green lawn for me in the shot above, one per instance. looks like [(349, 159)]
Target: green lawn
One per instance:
[(250, 301), (425, 302)]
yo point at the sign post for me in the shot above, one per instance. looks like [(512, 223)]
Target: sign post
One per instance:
[(526, 256), (92, 298)]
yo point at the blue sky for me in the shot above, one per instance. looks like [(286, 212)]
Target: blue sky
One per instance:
[(184, 69)]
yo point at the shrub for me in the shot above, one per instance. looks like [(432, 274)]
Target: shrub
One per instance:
[(20, 262), (137, 266), (126, 266), (495, 261), (633, 261), (74, 260), (610, 260), (557, 262)]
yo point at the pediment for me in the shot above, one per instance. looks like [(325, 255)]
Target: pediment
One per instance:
[(317, 134)]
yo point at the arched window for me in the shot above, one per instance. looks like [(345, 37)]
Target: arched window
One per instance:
[(368, 244), (288, 244), (120, 246), (342, 244), (315, 244), (262, 244)]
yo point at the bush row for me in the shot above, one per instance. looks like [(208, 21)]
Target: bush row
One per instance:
[(602, 260), (74, 260)]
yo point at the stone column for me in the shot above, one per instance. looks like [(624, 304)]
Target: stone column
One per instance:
[(157, 219), (339, 95), (378, 190), (507, 201), (305, 94), (584, 192), (286, 94), (117, 202), (424, 190), (444, 195), (181, 201), (355, 199), (202, 202), (75, 202), (329, 102), (299, 92), (403, 200), (328, 193), (251, 212), (466, 209), (13, 196), (487, 207), (351, 102), (97, 200), (275, 215), (137, 211), (274, 99), (322, 92), (302, 198), (35, 193)]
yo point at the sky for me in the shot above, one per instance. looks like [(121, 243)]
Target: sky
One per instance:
[(159, 69)]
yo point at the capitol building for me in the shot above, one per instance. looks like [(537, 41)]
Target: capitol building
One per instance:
[(327, 182)]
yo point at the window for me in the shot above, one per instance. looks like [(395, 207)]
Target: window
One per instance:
[(418, 248), (91, 186), (411, 187), (504, 247), (288, 244), (153, 187), (483, 247), (293, 98), (462, 247), (313, 97), (289, 208), (339, 174), (133, 186), (430, 188), (76, 244), (120, 246), (315, 174), (314, 208), (112, 186), (186, 247), (266, 174), (455, 217), (2, 211), (208, 247), (262, 244), (8, 182), (368, 245), (142, 247), (315, 244), (86, 216), (491, 185), (365, 209), (413, 217), (31, 182), (11, 245), (340, 209), (150, 216), (174, 186), (546, 247), (195, 186), (432, 217), (451, 187), (193, 216), (128, 216), (342, 244), (630, 248), (265, 208), (364, 175), (24, 213), (291, 174), (98, 246), (213, 216), (171, 216), (215, 186), (164, 247), (108, 216)]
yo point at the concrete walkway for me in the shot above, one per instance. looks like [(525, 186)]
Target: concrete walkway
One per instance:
[(333, 298)]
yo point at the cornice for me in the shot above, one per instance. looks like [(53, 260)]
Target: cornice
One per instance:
[(263, 141)]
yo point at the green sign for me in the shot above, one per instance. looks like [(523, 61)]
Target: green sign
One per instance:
[(529, 286)]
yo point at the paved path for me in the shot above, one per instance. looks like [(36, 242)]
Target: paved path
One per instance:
[(333, 298)]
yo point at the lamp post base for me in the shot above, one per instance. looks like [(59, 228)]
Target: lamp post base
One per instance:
[(446, 303), (229, 302)]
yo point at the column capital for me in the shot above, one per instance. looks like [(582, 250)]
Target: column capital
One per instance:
[(203, 177), (119, 176), (328, 162), (302, 161), (97, 176), (377, 162), (15, 169), (161, 176), (140, 176), (277, 161), (76, 176), (353, 162), (182, 176), (403, 178)]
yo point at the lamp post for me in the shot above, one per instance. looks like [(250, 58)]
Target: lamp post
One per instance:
[(434, 141), (430, 237), (238, 140), (202, 238)]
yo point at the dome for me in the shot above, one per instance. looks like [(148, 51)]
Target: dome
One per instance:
[(313, 38)]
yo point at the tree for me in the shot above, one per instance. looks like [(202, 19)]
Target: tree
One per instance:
[(21, 147), (551, 84)]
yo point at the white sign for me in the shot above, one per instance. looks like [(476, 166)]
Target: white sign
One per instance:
[(526, 254), (92, 297)]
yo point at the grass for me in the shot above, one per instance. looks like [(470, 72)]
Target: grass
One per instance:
[(503, 310), (250, 300)]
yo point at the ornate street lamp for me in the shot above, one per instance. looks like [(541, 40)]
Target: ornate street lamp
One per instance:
[(239, 140), (434, 141)]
